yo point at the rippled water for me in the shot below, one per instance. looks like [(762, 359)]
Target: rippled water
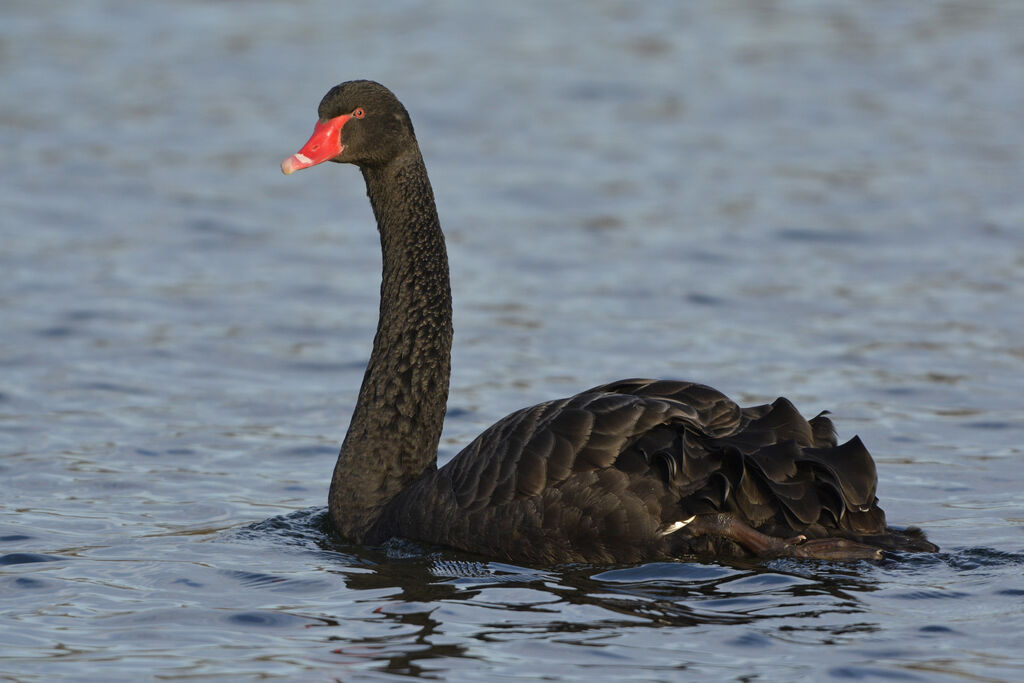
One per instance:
[(817, 199)]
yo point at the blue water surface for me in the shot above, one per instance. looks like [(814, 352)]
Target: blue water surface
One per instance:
[(822, 200)]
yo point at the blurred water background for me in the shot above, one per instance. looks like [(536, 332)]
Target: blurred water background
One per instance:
[(818, 199)]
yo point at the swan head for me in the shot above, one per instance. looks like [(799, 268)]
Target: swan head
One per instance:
[(360, 122)]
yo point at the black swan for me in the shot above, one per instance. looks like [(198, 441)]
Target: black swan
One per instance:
[(631, 471)]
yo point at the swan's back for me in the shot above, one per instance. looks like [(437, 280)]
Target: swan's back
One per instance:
[(614, 473)]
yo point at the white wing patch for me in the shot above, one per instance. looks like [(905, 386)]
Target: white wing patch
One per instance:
[(676, 526)]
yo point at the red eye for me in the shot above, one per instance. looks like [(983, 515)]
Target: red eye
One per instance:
[(359, 113)]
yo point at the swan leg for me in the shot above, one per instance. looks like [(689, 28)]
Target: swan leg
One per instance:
[(762, 545)]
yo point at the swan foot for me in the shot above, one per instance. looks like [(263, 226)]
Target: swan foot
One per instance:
[(765, 546), (841, 549)]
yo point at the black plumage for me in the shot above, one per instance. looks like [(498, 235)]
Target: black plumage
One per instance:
[(630, 471)]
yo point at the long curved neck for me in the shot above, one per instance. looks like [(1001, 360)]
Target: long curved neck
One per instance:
[(396, 426)]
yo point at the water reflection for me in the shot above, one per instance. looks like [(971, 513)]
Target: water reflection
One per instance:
[(413, 603)]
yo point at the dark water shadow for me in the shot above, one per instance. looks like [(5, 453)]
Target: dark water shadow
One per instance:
[(425, 572), (427, 589)]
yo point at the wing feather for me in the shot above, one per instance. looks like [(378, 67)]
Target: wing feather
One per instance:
[(597, 476)]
